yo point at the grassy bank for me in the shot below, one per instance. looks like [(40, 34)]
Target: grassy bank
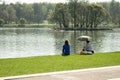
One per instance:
[(21, 66), (28, 25)]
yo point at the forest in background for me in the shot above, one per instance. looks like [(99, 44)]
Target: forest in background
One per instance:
[(76, 13)]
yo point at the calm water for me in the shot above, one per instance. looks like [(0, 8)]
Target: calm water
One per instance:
[(25, 42)]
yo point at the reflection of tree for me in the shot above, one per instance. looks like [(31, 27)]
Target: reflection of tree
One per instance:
[(60, 37), (97, 38)]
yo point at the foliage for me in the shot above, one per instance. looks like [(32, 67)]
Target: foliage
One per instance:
[(78, 13), (113, 8), (61, 15), (33, 13), (22, 20), (2, 22), (81, 14), (21, 66)]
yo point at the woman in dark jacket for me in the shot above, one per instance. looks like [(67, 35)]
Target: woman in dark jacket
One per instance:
[(66, 48)]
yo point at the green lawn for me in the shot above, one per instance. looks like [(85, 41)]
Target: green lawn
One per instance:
[(41, 64)]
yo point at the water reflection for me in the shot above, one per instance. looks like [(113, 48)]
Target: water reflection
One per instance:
[(25, 42)]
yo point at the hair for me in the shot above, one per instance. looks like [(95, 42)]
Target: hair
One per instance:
[(66, 42), (87, 41)]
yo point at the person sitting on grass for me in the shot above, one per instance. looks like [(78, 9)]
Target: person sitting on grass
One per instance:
[(66, 48), (87, 49)]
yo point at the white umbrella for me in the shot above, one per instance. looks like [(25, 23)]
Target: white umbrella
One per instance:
[(84, 38)]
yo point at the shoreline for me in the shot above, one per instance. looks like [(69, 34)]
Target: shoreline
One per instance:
[(88, 29)]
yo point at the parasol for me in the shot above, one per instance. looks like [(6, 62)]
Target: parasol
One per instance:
[(84, 38)]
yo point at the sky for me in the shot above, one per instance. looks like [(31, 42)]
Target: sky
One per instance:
[(51, 1)]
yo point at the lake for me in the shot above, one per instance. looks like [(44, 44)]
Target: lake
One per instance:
[(27, 42)]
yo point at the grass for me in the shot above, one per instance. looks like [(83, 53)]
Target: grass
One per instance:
[(41, 64)]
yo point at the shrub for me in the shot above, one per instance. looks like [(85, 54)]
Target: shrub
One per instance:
[(2, 22)]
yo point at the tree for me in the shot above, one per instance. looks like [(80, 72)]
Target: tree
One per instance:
[(61, 15), (86, 15), (115, 11), (76, 11), (11, 13), (1, 22), (4, 15), (19, 11), (50, 16), (28, 12), (112, 9), (37, 12), (22, 21), (97, 14)]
